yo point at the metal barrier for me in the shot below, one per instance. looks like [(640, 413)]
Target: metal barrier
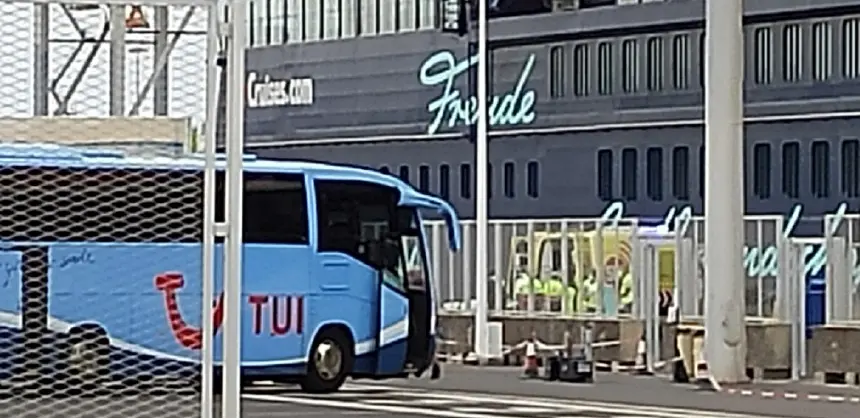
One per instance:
[(793, 258), (559, 266), (529, 275), (623, 276), (841, 244), (764, 293)]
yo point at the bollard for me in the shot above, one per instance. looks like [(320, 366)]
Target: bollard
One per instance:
[(530, 367), (587, 339)]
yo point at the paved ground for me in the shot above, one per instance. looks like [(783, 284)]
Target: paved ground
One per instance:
[(466, 392), (635, 390), (408, 402)]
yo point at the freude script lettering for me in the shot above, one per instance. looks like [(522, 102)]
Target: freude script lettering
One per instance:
[(451, 107), (758, 261)]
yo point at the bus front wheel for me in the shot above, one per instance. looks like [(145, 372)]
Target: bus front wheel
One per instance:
[(330, 361)]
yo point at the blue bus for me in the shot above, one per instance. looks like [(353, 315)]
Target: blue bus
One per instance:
[(101, 257)]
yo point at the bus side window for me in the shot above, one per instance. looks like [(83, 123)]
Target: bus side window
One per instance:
[(276, 209), (350, 214)]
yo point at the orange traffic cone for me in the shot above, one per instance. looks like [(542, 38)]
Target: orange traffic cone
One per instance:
[(136, 19)]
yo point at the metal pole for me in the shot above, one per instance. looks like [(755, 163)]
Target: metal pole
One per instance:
[(725, 328), (233, 255), (481, 192), (117, 61), (160, 88), (206, 352), (136, 76), (41, 46)]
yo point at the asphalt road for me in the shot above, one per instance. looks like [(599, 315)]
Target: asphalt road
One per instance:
[(627, 390), (463, 392), (411, 402)]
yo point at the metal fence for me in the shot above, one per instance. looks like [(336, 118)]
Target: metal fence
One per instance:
[(842, 252), (534, 271), (101, 298)]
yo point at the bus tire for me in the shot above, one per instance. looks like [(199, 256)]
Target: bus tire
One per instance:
[(330, 360), (88, 356)]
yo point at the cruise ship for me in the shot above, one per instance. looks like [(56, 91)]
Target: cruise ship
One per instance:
[(592, 102)]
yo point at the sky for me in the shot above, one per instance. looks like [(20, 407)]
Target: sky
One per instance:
[(186, 67)]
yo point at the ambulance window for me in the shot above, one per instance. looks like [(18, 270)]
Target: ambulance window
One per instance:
[(522, 247)]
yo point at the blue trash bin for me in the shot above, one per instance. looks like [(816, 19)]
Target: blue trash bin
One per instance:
[(816, 298)]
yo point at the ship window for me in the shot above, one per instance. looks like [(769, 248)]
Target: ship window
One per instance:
[(444, 181), (851, 48), (791, 170), (822, 47), (604, 174), (384, 169), (654, 177), (630, 66), (368, 23), (258, 24), (850, 168), (295, 21), (702, 171), (331, 19), (792, 53), (532, 179), (655, 64), (605, 68), (820, 166), (510, 182), (556, 72), (763, 55), (629, 174), (348, 18), (313, 20), (581, 73), (681, 62), (406, 15), (681, 173), (404, 173), (489, 180), (386, 13), (427, 14), (702, 59), (465, 181), (424, 178), (761, 170), (278, 21)]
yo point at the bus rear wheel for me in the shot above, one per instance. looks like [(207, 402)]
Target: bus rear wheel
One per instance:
[(330, 361), (88, 356)]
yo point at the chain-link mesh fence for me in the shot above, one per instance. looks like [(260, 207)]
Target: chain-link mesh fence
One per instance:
[(100, 257)]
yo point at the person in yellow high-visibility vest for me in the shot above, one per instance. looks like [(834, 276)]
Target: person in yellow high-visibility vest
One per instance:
[(521, 289), (570, 299), (553, 288)]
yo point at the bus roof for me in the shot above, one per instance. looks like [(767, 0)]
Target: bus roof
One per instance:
[(49, 155), (59, 156)]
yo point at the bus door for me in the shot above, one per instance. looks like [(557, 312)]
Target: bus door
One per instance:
[(417, 288), (418, 283), (405, 307)]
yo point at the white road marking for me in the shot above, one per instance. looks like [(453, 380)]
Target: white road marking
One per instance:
[(475, 405), (530, 410)]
